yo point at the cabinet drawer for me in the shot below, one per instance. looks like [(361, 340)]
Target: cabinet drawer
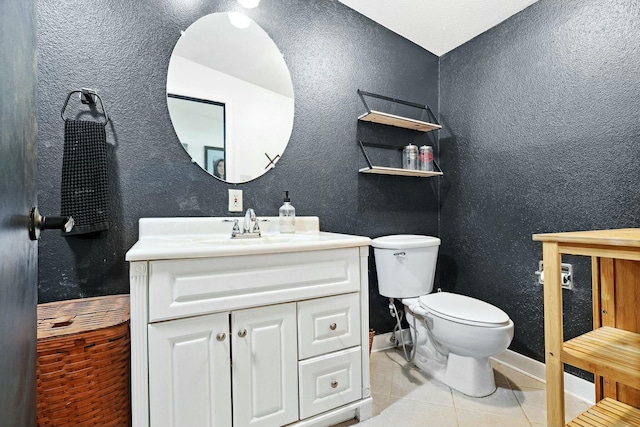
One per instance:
[(188, 287), (328, 324), (330, 381)]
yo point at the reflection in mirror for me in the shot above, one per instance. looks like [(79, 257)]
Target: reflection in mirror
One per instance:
[(230, 97), (201, 123)]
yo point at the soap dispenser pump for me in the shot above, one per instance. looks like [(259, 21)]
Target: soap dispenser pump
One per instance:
[(287, 215)]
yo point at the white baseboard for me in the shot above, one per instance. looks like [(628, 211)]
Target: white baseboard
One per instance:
[(383, 342), (574, 385)]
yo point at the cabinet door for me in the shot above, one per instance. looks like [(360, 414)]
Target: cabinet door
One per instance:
[(265, 379), (189, 372)]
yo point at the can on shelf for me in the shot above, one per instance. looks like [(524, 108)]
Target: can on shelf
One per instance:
[(425, 158), (410, 157)]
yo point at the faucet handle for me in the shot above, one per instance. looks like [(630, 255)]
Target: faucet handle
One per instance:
[(256, 227), (236, 228)]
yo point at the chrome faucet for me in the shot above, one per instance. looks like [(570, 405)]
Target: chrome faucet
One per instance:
[(247, 230), (248, 218)]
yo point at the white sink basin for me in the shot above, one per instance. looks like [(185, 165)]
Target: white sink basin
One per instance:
[(228, 240), (175, 238)]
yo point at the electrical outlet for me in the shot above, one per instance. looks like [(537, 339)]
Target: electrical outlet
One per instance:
[(235, 200)]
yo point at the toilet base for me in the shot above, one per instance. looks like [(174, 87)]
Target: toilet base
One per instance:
[(468, 375), (471, 376)]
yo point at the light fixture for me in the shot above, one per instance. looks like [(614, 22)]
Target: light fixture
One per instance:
[(238, 20), (249, 4)]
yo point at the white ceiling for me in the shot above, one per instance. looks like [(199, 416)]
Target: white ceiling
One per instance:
[(438, 25)]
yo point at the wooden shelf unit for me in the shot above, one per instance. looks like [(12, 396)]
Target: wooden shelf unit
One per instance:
[(608, 412), (612, 350), (388, 119), (607, 352)]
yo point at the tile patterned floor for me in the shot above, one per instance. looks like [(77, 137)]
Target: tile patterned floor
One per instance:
[(403, 396)]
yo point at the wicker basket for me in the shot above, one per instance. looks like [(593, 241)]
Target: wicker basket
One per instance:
[(83, 367)]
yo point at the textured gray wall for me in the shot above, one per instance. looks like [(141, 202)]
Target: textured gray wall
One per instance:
[(542, 119), (122, 49)]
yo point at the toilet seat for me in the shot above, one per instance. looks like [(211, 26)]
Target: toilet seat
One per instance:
[(463, 309)]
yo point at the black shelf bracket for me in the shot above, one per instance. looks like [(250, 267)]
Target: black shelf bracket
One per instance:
[(362, 94)]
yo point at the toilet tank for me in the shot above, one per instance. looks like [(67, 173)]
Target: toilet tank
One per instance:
[(406, 264)]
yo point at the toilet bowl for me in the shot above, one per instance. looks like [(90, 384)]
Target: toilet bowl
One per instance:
[(454, 335)]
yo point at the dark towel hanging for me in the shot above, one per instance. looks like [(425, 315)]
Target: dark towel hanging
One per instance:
[(84, 193)]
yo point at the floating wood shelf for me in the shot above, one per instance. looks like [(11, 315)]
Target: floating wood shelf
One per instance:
[(608, 412), (401, 122), (608, 352), (382, 170), (398, 121)]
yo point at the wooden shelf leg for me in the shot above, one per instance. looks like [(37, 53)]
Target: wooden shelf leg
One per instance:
[(553, 334)]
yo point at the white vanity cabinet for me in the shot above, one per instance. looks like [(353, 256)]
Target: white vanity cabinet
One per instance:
[(189, 375), (264, 362), (262, 338), (190, 372)]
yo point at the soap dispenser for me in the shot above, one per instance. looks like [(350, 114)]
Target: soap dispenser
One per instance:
[(287, 215)]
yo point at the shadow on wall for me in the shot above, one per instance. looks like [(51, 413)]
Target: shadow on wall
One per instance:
[(446, 273), (448, 154)]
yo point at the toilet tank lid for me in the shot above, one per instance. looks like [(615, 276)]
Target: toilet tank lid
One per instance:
[(463, 308), (404, 241)]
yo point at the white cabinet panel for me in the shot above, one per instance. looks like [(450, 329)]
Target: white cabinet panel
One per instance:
[(188, 287), (189, 372), (330, 381), (328, 324), (265, 380)]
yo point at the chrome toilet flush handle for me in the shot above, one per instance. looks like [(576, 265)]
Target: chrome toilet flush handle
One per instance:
[(400, 254)]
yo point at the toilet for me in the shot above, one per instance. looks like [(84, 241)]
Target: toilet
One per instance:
[(454, 335)]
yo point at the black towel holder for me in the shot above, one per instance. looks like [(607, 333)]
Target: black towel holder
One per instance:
[(87, 96)]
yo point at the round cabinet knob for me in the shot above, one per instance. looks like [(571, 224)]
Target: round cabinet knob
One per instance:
[(334, 384), (333, 326), (221, 336), (242, 333)]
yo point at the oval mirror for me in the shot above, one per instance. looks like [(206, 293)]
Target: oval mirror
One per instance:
[(230, 97)]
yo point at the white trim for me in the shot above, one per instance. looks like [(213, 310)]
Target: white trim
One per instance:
[(574, 385), (362, 409), (383, 342)]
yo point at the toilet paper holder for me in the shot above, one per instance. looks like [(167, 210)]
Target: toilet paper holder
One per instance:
[(566, 275)]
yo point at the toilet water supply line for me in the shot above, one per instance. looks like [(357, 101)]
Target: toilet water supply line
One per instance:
[(393, 311)]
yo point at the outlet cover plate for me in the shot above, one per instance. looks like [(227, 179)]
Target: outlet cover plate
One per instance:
[(235, 200)]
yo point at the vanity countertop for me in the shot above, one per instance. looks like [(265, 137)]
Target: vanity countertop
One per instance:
[(206, 237)]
